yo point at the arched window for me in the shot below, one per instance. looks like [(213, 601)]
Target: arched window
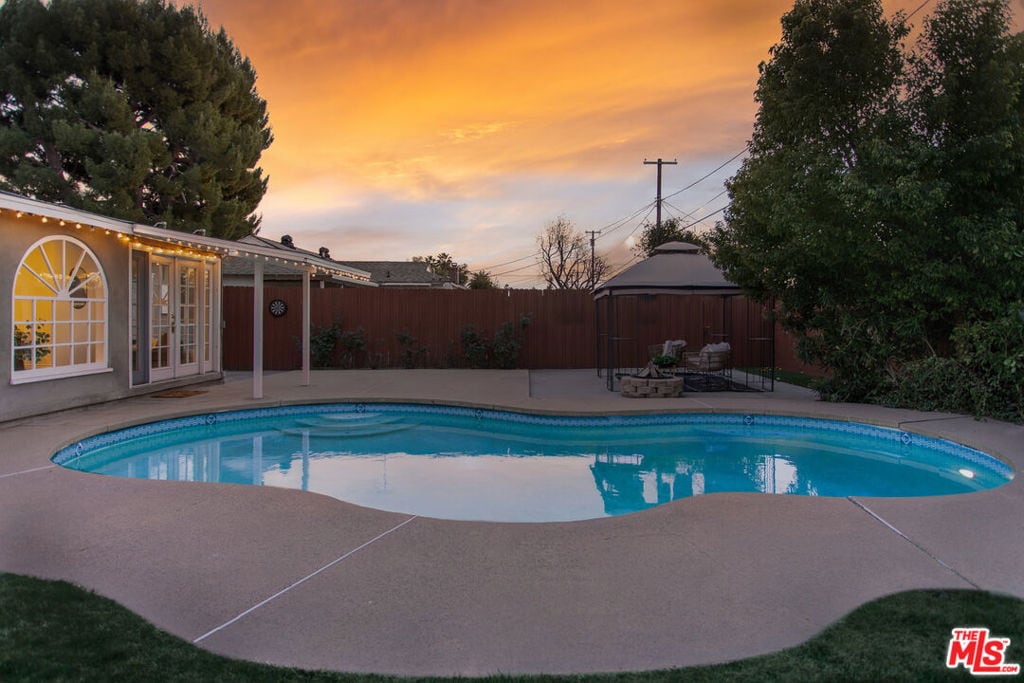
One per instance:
[(60, 312)]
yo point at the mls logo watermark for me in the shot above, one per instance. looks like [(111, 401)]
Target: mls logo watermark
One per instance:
[(979, 653)]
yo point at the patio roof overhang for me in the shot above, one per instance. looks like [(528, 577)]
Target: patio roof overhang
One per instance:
[(143, 236), (165, 241)]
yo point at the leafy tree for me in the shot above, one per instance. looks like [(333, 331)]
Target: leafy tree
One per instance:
[(653, 236), (566, 260), (132, 108), (446, 266), (481, 279), (881, 202)]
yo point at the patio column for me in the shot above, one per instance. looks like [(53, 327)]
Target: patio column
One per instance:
[(257, 328), (305, 325)]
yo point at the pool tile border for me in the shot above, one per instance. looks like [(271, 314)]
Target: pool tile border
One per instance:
[(784, 424)]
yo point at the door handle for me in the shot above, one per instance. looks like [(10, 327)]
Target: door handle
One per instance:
[(173, 324)]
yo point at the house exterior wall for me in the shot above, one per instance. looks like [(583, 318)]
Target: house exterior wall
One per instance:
[(26, 398), (32, 398)]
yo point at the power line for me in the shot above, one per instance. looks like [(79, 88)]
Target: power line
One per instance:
[(919, 8), (711, 173), (515, 270), (508, 263), (621, 223), (615, 225), (681, 212), (715, 212), (637, 227)]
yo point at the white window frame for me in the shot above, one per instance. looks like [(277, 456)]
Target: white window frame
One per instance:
[(62, 296)]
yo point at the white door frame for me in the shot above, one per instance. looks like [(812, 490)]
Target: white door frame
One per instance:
[(177, 325)]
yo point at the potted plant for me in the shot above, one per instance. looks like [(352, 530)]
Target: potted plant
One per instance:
[(664, 361), (22, 337)]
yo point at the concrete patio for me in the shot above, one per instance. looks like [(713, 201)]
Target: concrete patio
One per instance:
[(300, 579)]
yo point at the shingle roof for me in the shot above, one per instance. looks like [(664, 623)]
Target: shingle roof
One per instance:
[(399, 272)]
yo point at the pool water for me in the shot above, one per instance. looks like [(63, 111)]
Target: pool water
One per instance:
[(463, 463)]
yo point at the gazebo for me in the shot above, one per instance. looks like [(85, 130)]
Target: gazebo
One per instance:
[(678, 294)]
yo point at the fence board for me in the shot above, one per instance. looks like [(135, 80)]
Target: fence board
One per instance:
[(561, 333)]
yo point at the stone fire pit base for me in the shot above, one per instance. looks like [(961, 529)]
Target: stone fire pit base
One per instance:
[(646, 387)]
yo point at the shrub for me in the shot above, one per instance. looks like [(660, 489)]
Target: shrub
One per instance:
[(501, 352), (352, 343), (413, 355), (475, 348), (984, 377), (508, 342), (322, 341)]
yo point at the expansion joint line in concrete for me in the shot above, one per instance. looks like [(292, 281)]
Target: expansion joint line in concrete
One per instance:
[(34, 469), (301, 581), (911, 541)]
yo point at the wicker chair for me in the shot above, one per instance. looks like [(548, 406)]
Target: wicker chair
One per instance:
[(713, 363), (708, 361)]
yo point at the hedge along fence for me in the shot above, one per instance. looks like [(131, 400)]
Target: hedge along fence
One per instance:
[(424, 327)]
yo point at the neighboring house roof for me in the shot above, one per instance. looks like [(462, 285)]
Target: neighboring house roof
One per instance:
[(402, 274), (382, 273), (284, 252), (675, 267)]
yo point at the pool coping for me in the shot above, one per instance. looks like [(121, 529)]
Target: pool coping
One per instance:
[(377, 591)]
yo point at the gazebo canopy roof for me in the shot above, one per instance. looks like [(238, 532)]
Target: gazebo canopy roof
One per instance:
[(674, 268)]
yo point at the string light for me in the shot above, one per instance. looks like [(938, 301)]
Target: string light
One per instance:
[(187, 248)]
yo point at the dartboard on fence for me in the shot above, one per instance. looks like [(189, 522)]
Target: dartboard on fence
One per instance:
[(278, 308)]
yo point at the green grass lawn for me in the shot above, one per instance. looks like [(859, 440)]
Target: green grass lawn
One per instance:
[(51, 630)]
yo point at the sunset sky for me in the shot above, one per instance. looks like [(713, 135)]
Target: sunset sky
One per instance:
[(413, 127)]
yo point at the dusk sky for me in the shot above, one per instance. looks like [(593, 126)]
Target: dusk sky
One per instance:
[(411, 127)]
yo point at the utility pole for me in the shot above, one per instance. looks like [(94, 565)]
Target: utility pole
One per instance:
[(593, 236), (660, 163)]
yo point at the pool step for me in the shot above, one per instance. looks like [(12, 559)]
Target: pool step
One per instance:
[(354, 431), (347, 425)]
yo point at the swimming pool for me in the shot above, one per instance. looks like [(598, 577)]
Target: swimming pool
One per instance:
[(473, 464)]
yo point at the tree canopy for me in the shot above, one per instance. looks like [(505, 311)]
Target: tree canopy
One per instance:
[(132, 108), (482, 279), (446, 266), (653, 236), (566, 259), (882, 203)]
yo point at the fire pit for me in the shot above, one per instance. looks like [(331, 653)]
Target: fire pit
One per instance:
[(652, 383)]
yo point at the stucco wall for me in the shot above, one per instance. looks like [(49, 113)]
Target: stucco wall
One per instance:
[(32, 398)]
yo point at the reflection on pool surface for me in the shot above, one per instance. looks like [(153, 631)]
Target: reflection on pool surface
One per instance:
[(461, 463)]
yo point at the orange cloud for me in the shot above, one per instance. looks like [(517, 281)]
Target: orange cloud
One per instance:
[(430, 101), (424, 97)]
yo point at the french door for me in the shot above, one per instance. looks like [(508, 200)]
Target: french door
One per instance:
[(178, 333)]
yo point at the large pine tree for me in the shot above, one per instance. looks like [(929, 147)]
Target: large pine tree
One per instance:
[(131, 108)]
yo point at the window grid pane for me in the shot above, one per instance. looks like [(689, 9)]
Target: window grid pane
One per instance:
[(59, 309)]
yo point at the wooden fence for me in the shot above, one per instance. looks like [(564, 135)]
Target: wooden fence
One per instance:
[(424, 327)]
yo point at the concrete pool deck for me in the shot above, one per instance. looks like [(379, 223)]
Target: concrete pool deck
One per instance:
[(300, 579)]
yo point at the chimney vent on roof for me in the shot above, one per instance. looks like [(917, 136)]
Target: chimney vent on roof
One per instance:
[(286, 240), (325, 252)]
